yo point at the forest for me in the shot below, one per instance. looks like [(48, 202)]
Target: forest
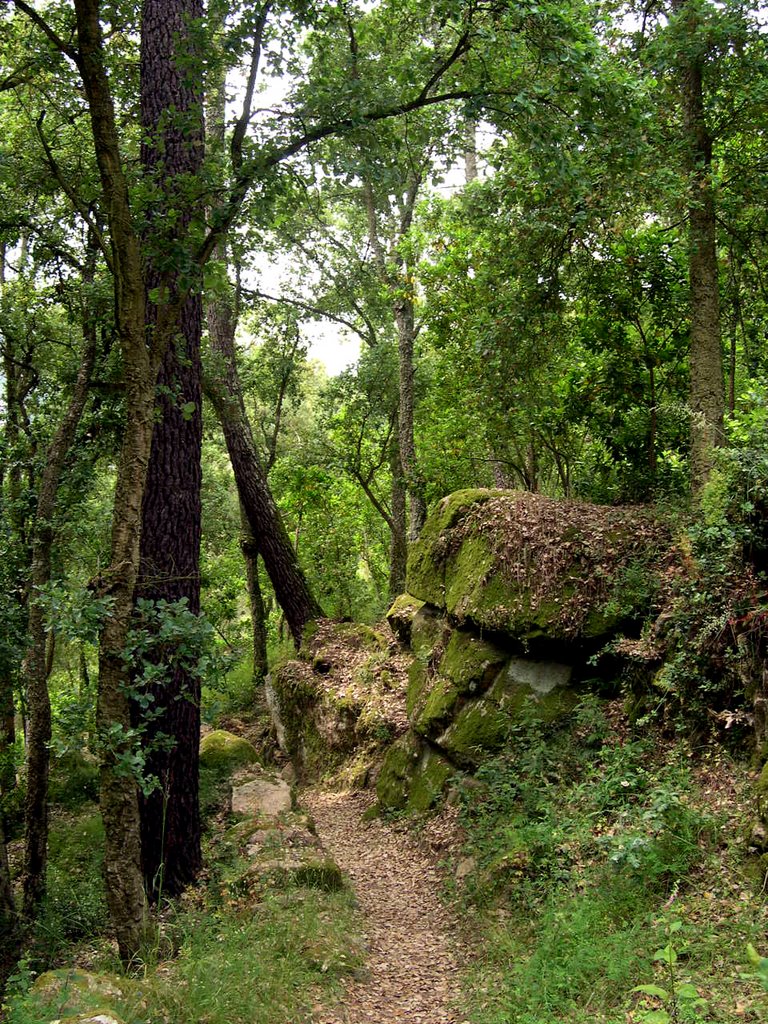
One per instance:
[(541, 228)]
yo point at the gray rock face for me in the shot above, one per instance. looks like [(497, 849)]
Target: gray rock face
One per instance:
[(262, 796)]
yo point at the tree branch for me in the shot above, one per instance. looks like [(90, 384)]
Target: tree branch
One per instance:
[(46, 29)]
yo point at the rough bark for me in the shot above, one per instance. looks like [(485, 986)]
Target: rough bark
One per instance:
[(118, 798), (707, 390), (8, 920), (171, 155), (398, 544), (270, 536), (35, 670), (255, 600)]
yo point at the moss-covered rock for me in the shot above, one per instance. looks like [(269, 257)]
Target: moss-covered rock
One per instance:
[(430, 715), (425, 577), (538, 689), (429, 781), (80, 995), (427, 632), (471, 662), (537, 569), (400, 762), (223, 751), (401, 615)]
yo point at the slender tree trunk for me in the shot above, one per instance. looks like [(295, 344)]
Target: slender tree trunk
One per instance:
[(414, 483), (118, 798), (706, 358), (398, 545), (172, 153), (270, 536), (255, 600), (7, 675), (8, 920), (35, 669)]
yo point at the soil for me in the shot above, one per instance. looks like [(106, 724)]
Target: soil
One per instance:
[(414, 948)]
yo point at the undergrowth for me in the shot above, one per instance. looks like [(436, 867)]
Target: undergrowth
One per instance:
[(227, 953), (587, 845)]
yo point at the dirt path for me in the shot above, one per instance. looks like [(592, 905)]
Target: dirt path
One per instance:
[(414, 953)]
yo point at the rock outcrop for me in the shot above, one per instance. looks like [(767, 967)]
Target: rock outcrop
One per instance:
[(339, 702), (509, 597)]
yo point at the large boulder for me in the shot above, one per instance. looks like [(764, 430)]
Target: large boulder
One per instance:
[(223, 751), (536, 570), (509, 595)]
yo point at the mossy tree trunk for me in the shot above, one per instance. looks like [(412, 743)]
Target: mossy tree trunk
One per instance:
[(707, 388), (35, 668)]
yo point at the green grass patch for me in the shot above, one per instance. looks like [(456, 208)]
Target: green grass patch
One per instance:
[(587, 848)]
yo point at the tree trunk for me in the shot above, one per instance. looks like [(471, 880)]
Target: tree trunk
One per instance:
[(118, 798), (270, 536), (706, 358), (414, 484), (255, 601), (8, 921), (398, 546), (172, 152), (35, 670)]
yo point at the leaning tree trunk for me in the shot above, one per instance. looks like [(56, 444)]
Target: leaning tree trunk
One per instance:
[(707, 391), (35, 665), (269, 534), (172, 151)]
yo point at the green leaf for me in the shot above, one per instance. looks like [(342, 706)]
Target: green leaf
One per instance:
[(686, 991), (656, 1017), (187, 410), (652, 990), (667, 955)]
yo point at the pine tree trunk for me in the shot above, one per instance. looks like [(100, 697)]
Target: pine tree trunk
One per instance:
[(172, 151)]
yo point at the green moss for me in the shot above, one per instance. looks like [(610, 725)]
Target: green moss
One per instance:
[(471, 662), (401, 615), (426, 577), (761, 794), (400, 762), (418, 688), (80, 994), (221, 750), (479, 729), (440, 703), (426, 632), (465, 576), (429, 782)]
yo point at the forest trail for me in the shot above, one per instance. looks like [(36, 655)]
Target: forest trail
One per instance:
[(414, 952)]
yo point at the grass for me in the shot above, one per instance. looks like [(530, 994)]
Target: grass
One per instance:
[(235, 950), (587, 847)]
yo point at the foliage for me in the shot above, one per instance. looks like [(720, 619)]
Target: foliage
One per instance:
[(578, 838)]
